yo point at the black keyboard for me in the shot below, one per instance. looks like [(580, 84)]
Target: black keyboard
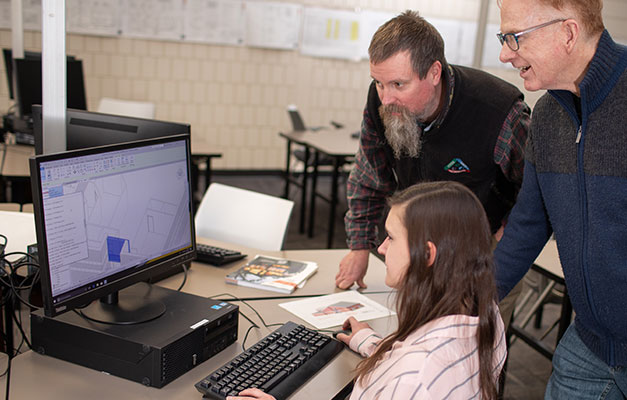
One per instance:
[(216, 255), (278, 364)]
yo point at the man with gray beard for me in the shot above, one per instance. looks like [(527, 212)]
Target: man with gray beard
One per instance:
[(426, 120)]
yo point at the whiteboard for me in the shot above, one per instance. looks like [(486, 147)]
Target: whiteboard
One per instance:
[(93, 17), (331, 33), (273, 25), (214, 21)]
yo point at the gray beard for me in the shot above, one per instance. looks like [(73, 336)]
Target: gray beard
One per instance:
[(401, 131)]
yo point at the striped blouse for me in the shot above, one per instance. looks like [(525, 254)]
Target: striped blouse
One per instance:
[(438, 361)]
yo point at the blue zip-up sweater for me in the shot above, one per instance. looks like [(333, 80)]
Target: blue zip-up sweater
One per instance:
[(575, 185)]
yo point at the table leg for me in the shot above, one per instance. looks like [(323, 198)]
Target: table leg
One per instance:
[(288, 156), (333, 203), (312, 197), (565, 315), (303, 196)]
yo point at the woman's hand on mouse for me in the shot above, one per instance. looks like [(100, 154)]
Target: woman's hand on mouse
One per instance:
[(351, 324)]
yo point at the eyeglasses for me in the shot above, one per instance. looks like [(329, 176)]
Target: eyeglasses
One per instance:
[(512, 38)]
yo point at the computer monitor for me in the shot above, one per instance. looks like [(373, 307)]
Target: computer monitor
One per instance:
[(89, 129), (28, 81), (109, 217), (8, 65)]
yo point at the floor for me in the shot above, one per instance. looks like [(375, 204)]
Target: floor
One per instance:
[(527, 371)]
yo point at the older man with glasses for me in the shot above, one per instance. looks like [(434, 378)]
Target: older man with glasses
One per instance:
[(575, 184)]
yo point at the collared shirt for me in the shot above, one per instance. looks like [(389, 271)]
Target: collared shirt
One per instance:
[(372, 179), (439, 360)]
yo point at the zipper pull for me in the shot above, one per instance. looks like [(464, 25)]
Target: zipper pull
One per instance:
[(578, 135)]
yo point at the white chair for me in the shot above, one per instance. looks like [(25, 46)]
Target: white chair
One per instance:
[(243, 217), (140, 109)]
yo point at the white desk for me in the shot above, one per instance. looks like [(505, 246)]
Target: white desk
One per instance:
[(19, 228), (207, 280), (35, 376)]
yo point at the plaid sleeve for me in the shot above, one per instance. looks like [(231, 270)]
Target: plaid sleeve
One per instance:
[(509, 152), (370, 182)]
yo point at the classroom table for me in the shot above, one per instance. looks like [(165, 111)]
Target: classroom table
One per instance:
[(547, 264), (15, 172), (339, 144), (34, 375), (202, 152)]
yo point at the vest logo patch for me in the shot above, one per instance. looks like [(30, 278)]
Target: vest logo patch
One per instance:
[(456, 166)]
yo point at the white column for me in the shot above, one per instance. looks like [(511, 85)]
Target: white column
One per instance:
[(482, 23), (54, 76)]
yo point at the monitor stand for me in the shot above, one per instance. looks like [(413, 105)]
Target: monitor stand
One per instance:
[(128, 307)]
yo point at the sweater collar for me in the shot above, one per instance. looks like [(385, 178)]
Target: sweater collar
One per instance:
[(606, 66)]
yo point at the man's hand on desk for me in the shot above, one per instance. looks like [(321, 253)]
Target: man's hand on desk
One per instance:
[(353, 268), (251, 394)]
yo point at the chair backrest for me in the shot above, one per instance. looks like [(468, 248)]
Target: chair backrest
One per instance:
[(297, 120), (128, 108), (243, 217)]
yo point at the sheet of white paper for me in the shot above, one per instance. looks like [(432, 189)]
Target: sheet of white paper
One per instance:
[(153, 19), (214, 21), (273, 25), (93, 17), (333, 309), (331, 33)]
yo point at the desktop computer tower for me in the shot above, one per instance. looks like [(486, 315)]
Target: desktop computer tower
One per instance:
[(153, 353)]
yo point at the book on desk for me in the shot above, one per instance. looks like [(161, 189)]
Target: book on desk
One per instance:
[(274, 274)]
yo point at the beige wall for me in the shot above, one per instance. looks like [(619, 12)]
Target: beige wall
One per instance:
[(235, 97)]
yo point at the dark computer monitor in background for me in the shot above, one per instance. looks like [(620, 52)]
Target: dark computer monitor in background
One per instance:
[(8, 65), (89, 129), (107, 218), (28, 81)]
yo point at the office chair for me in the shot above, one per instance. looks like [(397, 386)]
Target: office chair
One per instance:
[(243, 217), (129, 108)]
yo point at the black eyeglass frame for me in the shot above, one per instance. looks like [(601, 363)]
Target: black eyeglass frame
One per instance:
[(511, 43)]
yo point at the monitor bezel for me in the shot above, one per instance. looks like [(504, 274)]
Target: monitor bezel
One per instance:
[(151, 269)]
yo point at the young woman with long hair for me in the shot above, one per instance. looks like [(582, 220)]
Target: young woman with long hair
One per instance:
[(450, 342)]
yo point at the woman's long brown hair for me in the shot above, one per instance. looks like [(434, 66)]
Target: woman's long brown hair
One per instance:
[(460, 281)]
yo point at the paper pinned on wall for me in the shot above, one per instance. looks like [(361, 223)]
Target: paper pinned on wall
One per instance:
[(31, 15), (333, 309), (492, 49), (215, 21), (5, 14), (273, 25), (370, 21), (459, 39), (331, 33), (153, 19), (96, 17)]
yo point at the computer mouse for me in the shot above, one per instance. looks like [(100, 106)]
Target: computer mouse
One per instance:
[(344, 331)]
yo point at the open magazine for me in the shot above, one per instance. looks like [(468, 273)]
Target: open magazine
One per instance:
[(275, 274)]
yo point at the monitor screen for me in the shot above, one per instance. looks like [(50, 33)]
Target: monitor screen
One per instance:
[(8, 65), (28, 80), (90, 129), (109, 217)]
